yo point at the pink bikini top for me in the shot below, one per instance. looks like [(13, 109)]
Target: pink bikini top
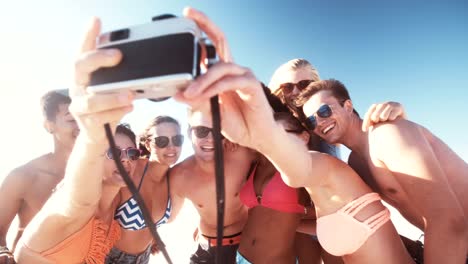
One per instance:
[(276, 195), (341, 234)]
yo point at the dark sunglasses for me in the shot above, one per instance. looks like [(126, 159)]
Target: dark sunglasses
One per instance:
[(132, 153), (287, 88), (295, 131), (163, 141), (201, 131), (324, 111)]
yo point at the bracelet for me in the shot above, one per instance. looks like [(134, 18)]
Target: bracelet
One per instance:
[(5, 250)]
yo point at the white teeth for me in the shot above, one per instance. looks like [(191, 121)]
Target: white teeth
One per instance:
[(328, 128), (207, 148), (170, 155)]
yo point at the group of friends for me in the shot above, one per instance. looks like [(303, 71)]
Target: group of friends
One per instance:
[(286, 202)]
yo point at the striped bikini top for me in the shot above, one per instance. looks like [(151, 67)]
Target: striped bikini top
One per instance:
[(129, 215)]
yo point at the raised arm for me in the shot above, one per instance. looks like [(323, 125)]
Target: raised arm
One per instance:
[(76, 201), (402, 147), (247, 118)]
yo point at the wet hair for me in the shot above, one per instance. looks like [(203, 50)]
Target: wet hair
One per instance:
[(146, 135), (50, 103), (126, 130), (336, 88), (292, 65)]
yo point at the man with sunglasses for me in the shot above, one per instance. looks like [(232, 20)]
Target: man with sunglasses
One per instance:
[(194, 179), (411, 168), (25, 190)]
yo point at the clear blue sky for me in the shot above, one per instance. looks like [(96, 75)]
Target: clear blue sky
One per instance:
[(414, 53)]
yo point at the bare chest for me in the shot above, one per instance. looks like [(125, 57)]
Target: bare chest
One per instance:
[(34, 200), (201, 190)]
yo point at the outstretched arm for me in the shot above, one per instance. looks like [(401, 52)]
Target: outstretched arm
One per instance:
[(402, 147), (382, 112), (247, 118), (73, 205)]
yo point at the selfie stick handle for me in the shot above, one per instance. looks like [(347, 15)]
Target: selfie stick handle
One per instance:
[(219, 161), (136, 195)]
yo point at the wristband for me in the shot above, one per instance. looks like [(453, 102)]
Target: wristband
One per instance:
[(5, 250)]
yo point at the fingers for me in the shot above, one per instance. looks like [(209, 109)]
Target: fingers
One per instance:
[(212, 31), (91, 61), (93, 30), (367, 118), (397, 110), (379, 113), (88, 44), (382, 112), (203, 83), (154, 249)]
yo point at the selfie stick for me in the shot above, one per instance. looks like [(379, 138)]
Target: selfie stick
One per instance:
[(136, 195), (219, 161)]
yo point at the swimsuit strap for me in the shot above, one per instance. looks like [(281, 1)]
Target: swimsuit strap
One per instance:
[(355, 206), (144, 173), (377, 220), (167, 177)]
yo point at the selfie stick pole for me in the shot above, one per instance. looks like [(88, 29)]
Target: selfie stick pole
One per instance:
[(136, 195), (219, 162)]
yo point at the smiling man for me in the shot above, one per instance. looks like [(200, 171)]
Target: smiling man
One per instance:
[(194, 179), (411, 168)]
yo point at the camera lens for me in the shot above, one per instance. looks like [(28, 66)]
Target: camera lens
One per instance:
[(119, 34)]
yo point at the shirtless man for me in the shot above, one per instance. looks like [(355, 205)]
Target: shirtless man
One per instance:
[(26, 188), (194, 179), (411, 168)]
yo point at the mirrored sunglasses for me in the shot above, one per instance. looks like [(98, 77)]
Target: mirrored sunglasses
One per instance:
[(324, 111)]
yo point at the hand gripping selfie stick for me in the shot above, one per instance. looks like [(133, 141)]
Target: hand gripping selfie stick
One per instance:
[(219, 171)]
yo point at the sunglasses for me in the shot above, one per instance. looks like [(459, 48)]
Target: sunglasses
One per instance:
[(201, 131), (324, 111), (163, 141), (131, 153), (287, 88), (295, 131)]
